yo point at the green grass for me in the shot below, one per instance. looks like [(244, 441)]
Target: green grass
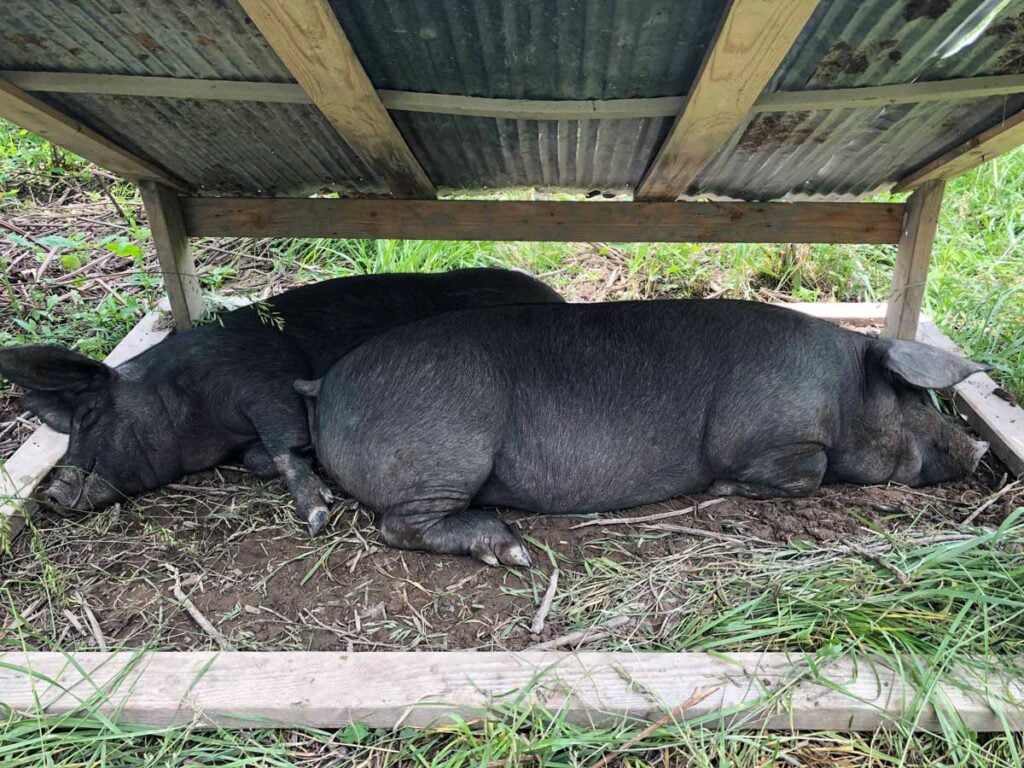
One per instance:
[(922, 602)]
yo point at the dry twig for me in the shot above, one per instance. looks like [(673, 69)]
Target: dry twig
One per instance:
[(573, 639), (537, 625), (649, 518), (695, 698), (195, 613)]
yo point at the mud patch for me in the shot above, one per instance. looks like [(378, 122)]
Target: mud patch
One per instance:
[(1011, 33), (777, 128), (927, 9)]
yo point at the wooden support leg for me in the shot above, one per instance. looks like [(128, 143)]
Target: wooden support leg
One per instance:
[(912, 259), (171, 240)]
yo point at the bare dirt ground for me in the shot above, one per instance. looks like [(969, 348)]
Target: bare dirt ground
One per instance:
[(108, 579)]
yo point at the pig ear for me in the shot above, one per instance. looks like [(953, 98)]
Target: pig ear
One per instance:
[(927, 367), (308, 388), (50, 368), (54, 409)]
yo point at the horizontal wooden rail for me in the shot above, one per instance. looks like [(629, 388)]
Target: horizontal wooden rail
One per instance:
[(540, 220), (516, 109), (329, 690)]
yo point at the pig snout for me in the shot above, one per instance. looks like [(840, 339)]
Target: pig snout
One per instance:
[(65, 491), (72, 489)]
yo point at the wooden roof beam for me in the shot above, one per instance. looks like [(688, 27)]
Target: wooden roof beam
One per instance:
[(1007, 135), (308, 38), (40, 118), (753, 40)]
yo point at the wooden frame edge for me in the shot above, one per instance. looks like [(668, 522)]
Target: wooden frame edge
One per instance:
[(545, 221), (399, 689)]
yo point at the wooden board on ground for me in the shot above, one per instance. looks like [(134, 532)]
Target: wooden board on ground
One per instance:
[(542, 220), (23, 471), (389, 690)]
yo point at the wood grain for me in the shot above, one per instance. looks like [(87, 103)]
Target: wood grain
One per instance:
[(912, 260), (40, 118), (751, 44), (172, 249), (23, 471), (308, 38), (541, 220), (329, 690), (1009, 134)]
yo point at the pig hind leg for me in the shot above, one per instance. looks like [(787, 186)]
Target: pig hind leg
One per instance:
[(450, 527), (790, 470)]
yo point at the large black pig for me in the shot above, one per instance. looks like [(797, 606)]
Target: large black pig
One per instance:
[(225, 388), (585, 408)]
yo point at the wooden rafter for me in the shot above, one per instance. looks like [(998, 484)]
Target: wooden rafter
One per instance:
[(39, 117), (544, 220), (308, 38), (869, 97), (753, 40), (1007, 135)]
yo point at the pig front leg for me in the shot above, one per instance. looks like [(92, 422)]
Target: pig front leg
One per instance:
[(284, 437), (787, 471)]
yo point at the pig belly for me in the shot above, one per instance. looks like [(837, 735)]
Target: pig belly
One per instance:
[(556, 486)]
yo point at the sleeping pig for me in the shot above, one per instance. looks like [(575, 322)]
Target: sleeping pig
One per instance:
[(585, 408), (225, 388)]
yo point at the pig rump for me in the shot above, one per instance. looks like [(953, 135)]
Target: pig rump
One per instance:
[(586, 408)]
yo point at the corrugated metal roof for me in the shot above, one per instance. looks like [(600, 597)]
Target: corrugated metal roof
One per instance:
[(542, 49), (229, 147), (168, 38), (484, 153), (848, 153), (842, 153), (884, 42), (545, 49)]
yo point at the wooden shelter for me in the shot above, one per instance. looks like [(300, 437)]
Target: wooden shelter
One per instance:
[(742, 121)]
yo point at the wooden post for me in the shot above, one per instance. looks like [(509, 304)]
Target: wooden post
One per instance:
[(912, 259), (171, 240)]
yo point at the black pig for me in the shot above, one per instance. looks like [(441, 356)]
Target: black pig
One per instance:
[(200, 397), (586, 408)]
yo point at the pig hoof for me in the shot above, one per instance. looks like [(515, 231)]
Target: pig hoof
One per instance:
[(315, 521), (506, 548), (327, 496)]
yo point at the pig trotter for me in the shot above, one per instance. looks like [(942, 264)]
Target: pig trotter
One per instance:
[(312, 497), (470, 532)]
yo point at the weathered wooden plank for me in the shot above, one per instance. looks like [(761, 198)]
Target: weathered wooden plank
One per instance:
[(23, 471), (1009, 134), (952, 90), (170, 238), (912, 260), (38, 117), (753, 40), (992, 417), (309, 39), (542, 220), (330, 690)]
